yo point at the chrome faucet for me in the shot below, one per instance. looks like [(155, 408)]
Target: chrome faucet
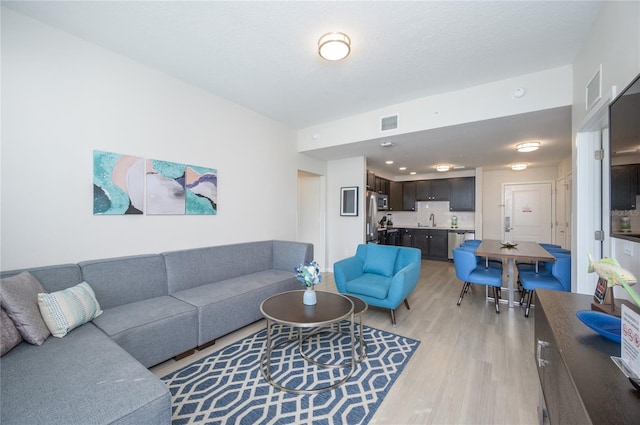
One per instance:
[(432, 219)]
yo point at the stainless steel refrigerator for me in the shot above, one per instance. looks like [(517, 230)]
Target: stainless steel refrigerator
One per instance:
[(372, 224)]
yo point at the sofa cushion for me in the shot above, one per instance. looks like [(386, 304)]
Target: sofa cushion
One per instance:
[(152, 330), (9, 335), (191, 268), (380, 259), (123, 280), (52, 278), (19, 298), (67, 309), (227, 305), (83, 378), (372, 285)]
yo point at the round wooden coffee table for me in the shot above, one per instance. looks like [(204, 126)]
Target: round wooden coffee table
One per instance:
[(288, 309)]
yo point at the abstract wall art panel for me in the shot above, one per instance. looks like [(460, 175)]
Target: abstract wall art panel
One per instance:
[(117, 184), (202, 190), (165, 187)]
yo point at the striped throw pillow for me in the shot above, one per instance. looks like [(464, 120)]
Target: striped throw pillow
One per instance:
[(65, 310)]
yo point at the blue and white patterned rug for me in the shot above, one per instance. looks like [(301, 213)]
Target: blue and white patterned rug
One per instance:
[(227, 387)]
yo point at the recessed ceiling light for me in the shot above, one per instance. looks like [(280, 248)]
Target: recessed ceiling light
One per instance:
[(334, 46), (528, 147), (402, 168), (412, 173), (388, 162), (442, 167), (519, 167)]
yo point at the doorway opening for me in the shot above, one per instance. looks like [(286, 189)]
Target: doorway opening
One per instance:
[(311, 225)]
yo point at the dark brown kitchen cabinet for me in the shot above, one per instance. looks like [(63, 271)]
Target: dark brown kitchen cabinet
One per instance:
[(406, 237), (624, 187), (371, 181), (395, 196), (382, 185), (432, 243), (463, 194), (409, 196), (433, 190), (579, 382)]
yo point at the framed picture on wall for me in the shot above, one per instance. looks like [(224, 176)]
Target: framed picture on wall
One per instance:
[(349, 201)]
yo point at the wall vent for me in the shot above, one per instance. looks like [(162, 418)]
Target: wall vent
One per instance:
[(389, 123)]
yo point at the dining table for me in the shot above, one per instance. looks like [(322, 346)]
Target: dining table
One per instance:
[(512, 251)]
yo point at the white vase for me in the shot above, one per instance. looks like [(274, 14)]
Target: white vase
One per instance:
[(309, 297)]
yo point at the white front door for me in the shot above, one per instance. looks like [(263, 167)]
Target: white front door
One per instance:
[(528, 215)]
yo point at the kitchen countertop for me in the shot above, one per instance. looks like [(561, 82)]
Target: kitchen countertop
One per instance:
[(400, 226)]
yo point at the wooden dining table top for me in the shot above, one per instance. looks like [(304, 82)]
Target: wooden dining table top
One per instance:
[(522, 251)]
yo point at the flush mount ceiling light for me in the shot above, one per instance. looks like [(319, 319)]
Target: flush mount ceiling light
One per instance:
[(528, 147), (442, 167), (402, 168), (388, 162), (519, 167), (334, 46)]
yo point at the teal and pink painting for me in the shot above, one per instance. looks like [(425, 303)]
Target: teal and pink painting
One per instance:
[(118, 183), (171, 188)]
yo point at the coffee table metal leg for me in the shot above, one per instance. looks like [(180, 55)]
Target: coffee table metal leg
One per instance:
[(266, 361)]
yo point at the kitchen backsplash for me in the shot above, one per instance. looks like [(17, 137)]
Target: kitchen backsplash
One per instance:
[(440, 211)]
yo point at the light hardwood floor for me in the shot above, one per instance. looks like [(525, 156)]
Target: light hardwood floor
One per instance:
[(473, 366)]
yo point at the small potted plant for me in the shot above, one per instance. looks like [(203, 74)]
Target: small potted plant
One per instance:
[(309, 275)]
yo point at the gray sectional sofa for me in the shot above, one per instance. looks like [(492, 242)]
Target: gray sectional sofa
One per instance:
[(155, 307)]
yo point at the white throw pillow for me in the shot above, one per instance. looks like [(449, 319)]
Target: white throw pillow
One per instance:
[(65, 310)]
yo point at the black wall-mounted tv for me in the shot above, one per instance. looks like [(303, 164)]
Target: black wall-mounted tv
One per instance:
[(624, 143)]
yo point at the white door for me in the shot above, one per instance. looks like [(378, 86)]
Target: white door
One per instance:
[(561, 222), (567, 212), (528, 213)]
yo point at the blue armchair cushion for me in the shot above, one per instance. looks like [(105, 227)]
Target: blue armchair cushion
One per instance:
[(373, 285), (380, 259)]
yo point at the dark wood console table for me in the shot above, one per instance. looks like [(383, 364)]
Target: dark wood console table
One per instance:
[(580, 383)]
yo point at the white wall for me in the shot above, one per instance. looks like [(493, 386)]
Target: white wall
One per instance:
[(344, 233), (62, 98), (614, 42), (546, 89), (493, 209)]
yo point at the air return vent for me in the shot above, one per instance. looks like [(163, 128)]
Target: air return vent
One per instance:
[(389, 123)]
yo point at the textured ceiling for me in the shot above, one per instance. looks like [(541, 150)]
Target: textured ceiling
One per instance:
[(262, 55)]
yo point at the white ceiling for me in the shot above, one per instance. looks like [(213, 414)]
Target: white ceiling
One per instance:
[(263, 55)]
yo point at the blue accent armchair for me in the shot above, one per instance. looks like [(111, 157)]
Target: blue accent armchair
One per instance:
[(381, 275)]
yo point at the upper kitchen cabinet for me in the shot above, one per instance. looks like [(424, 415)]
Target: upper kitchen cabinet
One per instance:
[(382, 185), (371, 181), (463, 194), (395, 196), (409, 196), (433, 190)]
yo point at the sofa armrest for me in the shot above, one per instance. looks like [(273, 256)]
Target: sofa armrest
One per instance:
[(403, 283), (346, 270)]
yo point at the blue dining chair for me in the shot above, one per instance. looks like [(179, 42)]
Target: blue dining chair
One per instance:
[(475, 243), (558, 278), (469, 271), (482, 261)]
